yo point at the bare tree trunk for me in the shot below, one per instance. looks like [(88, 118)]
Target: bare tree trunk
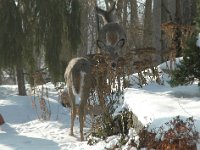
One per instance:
[(84, 28), (178, 33), (168, 10), (119, 10), (135, 36), (125, 19), (193, 10), (147, 39), (125, 15), (172, 8), (156, 27), (92, 27), (188, 7), (157, 24), (20, 80), (178, 12), (1, 74)]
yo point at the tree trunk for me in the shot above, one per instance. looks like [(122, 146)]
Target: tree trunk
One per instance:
[(92, 26), (20, 81), (82, 51), (135, 34), (193, 10), (156, 26), (178, 12), (125, 15), (168, 10), (119, 10), (147, 40), (1, 74), (188, 7), (178, 33)]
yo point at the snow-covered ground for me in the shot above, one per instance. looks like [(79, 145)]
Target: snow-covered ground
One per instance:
[(23, 131)]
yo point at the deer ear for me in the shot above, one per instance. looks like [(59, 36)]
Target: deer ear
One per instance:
[(120, 43), (101, 44)]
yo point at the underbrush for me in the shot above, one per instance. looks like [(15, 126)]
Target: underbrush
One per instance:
[(176, 134), (40, 102)]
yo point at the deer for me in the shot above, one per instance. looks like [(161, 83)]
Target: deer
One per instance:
[(78, 74), (90, 109), (112, 37)]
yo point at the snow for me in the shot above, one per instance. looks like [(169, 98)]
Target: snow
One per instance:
[(153, 103)]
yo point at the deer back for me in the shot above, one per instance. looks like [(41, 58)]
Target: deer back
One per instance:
[(76, 69)]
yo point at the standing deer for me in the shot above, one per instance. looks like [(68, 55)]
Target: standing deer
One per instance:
[(111, 38), (78, 74)]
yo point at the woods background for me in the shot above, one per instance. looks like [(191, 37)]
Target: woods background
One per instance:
[(43, 35)]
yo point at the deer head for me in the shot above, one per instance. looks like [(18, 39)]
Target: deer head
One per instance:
[(111, 37)]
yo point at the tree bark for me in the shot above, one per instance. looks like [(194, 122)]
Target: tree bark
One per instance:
[(147, 40), (119, 10), (135, 34), (168, 10), (125, 15), (20, 81), (1, 77), (188, 9), (178, 12), (157, 24), (82, 51)]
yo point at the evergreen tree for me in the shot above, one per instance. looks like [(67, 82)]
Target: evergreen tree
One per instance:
[(29, 29), (11, 40), (11, 37), (58, 21), (189, 68)]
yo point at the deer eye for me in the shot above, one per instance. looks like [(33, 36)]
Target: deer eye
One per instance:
[(121, 43), (101, 44)]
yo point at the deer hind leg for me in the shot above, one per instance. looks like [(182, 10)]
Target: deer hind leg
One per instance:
[(81, 120), (73, 112), (92, 119), (85, 92)]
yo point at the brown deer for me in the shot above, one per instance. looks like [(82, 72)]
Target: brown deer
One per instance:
[(111, 38), (78, 74)]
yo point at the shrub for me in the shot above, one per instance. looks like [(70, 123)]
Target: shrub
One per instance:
[(180, 135), (188, 70)]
